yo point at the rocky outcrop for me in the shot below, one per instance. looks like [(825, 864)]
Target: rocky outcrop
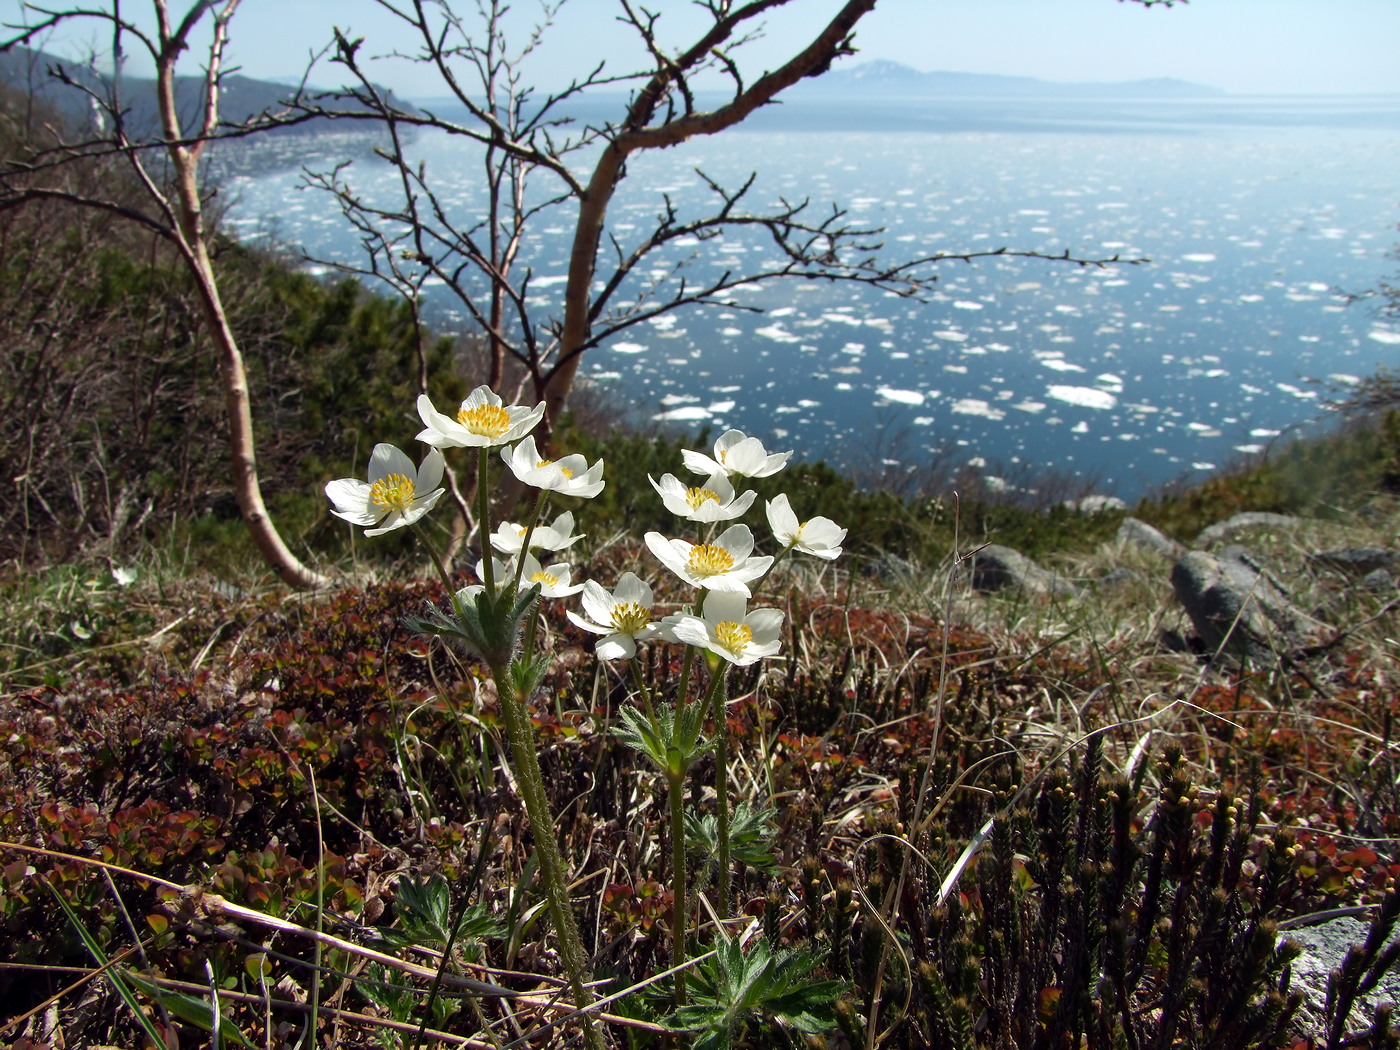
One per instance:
[(1358, 561), (1249, 521), (1325, 947), (996, 568), (1140, 534), (1236, 607)]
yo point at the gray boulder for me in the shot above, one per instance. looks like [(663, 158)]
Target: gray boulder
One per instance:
[(1324, 949), (1235, 606), (1249, 521), (1358, 561), (1377, 581), (1141, 534), (997, 568)]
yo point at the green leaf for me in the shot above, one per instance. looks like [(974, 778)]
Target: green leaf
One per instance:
[(767, 989), (198, 1012)]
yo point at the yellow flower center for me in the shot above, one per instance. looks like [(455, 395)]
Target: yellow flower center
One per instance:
[(734, 636), (709, 559), (544, 579), (628, 617), (562, 470), (394, 492), (697, 496), (488, 421)]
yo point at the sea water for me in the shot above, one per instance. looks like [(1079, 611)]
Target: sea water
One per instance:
[(1259, 217)]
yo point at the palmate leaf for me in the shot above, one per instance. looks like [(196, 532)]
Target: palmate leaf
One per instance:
[(750, 835), (671, 742), (765, 988), (424, 911)]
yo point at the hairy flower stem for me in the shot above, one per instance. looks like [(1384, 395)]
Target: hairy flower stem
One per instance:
[(719, 696), (521, 734), (675, 791)]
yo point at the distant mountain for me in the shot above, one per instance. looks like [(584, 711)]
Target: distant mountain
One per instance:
[(881, 79), (240, 98)]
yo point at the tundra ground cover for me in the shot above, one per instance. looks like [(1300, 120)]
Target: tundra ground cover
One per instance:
[(1154, 820)]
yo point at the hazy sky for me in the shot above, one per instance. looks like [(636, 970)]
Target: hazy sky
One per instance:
[(1243, 46)]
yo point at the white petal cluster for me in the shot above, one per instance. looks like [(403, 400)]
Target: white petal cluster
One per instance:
[(737, 455), (569, 476), (819, 537), (728, 630), (725, 564), (396, 494), (509, 537), (622, 617), (715, 500), (481, 421)]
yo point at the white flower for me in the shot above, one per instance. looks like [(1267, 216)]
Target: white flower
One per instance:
[(622, 617), (819, 537), (481, 421), (397, 493), (737, 455), (553, 579), (724, 565), (501, 574), (712, 501), (509, 536), (725, 630), (570, 476)]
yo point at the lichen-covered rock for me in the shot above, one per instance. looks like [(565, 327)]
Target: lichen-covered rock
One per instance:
[(1324, 948), (1358, 561), (1249, 521), (997, 568), (1235, 606), (1141, 534)]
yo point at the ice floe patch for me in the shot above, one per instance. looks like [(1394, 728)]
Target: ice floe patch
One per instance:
[(966, 304), (1083, 396), (1199, 257), (686, 414), (629, 348), (777, 333), (1382, 335), (1057, 363), (901, 397), (951, 335), (973, 406)]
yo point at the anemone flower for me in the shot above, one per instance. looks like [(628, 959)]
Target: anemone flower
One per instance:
[(397, 493), (713, 501), (727, 564), (570, 476), (482, 421), (731, 633), (737, 455), (819, 537), (554, 579), (509, 536), (623, 617)]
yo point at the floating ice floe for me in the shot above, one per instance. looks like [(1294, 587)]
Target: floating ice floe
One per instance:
[(903, 397), (1059, 364), (951, 335), (1200, 257), (1381, 335), (688, 414), (1084, 396), (628, 348), (972, 406), (966, 304), (777, 333)]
